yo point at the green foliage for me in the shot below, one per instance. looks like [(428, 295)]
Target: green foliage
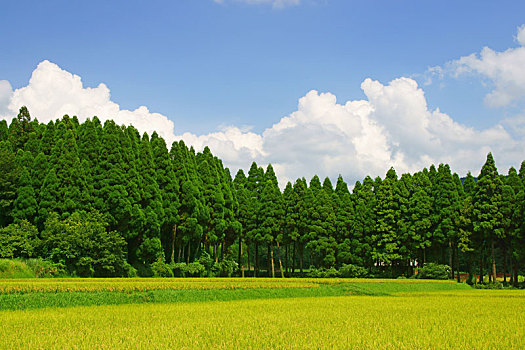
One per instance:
[(150, 250), (161, 269), (194, 269), (19, 240), (224, 268), (434, 272), (15, 269), (180, 205), (44, 268), (82, 245), (323, 273), (352, 271)]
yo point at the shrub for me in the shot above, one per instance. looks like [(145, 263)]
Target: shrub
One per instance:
[(161, 269), (434, 271), (19, 240), (82, 244), (15, 269), (206, 260), (179, 269), (195, 269), (224, 268), (352, 271), (44, 268), (323, 273)]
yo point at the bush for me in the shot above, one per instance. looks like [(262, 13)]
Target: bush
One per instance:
[(224, 268), (352, 271), (161, 269), (206, 260), (44, 268), (434, 271), (19, 240), (83, 246), (195, 269), (15, 269), (323, 273), (179, 269)]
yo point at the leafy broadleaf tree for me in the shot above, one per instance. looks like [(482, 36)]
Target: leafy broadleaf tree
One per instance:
[(83, 247)]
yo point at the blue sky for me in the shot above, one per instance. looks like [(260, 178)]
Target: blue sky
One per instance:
[(207, 65)]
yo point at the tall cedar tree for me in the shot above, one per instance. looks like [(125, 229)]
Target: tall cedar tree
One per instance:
[(487, 202)]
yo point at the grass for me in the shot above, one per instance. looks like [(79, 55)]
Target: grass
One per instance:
[(453, 319), (53, 293)]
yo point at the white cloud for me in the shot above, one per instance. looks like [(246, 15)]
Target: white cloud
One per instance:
[(274, 3), (53, 92), (393, 126), (520, 37), (5, 96), (506, 70)]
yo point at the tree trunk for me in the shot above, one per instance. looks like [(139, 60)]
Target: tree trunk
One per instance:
[(256, 273), (481, 265), (293, 256), (469, 267), (458, 277), (271, 256), (515, 278), (189, 251), (493, 262), (286, 256), (450, 263), (279, 257), (301, 258), (240, 257), (269, 263), (172, 258), (180, 251), (248, 256), (504, 263)]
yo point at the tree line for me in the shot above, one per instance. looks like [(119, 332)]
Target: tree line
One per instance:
[(104, 200)]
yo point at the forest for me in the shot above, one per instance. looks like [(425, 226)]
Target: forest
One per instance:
[(102, 200)]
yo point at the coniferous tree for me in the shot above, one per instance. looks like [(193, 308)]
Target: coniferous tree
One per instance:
[(169, 190), (254, 186), (150, 248), (465, 223), (25, 205), (349, 248), (420, 237), (386, 245), (243, 216), (9, 174), (365, 217), (487, 202), (4, 130), (271, 211), (20, 128)]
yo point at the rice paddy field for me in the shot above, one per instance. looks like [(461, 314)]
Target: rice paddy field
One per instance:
[(257, 313)]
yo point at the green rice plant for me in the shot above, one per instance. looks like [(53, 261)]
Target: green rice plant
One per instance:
[(456, 320)]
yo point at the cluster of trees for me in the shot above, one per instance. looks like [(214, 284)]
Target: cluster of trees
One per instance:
[(103, 200)]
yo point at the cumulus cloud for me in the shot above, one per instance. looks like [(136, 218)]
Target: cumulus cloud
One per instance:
[(6, 91), (506, 71), (274, 3), (53, 92), (393, 126)]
